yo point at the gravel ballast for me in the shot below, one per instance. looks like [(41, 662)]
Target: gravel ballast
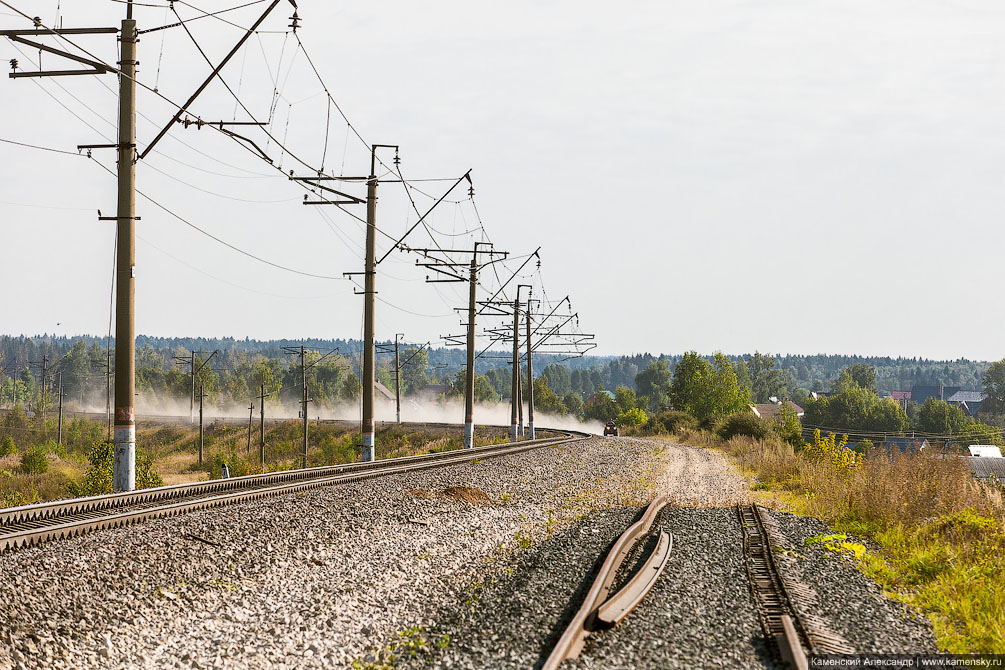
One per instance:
[(489, 553)]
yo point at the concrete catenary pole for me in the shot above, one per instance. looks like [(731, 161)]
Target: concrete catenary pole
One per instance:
[(530, 380), (202, 437), (515, 392), (303, 374), (251, 421), (125, 328), (519, 404), (469, 373), (369, 286)]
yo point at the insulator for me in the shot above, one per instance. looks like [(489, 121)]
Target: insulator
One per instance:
[(13, 63), (397, 161)]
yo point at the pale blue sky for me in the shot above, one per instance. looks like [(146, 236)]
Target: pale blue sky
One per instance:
[(790, 177)]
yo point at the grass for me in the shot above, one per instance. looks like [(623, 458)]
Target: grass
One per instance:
[(941, 532), (174, 449)]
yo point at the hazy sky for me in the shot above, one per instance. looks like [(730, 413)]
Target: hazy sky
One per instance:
[(789, 177)]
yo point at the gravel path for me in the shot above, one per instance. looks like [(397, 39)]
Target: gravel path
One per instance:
[(469, 566)]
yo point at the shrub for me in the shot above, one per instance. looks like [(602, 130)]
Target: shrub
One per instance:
[(830, 449), (34, 462), (633, 417), (744, 424), (7, 446), (99, 477), (788, 428), (673, 421)]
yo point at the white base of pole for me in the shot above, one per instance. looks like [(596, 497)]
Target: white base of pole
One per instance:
[(469, 435), (512, 433), (369, 453), (530, 430), (124, 467)]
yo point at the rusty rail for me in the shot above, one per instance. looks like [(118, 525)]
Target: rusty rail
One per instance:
[(597, 611), (778, 618)]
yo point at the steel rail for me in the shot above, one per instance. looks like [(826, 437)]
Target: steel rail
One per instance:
[(26, 513), (47, 522), (779, 619), (587, 617)]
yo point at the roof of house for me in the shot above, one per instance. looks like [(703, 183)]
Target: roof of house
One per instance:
[(967, 396), (922, 392), (435, 389), (770, 410), (383, 390), (901, 395), (984, 467), (906, 443)]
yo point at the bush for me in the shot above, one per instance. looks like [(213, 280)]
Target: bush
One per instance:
[(100, 475), (673, 421), (633, 417), (744, 424), (7, 446), (34, 462)]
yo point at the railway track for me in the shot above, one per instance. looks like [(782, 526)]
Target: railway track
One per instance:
[(598, 611), (783, 606), (32, 525)]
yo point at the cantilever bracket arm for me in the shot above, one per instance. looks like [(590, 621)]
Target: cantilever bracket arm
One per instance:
[(96, 67), (422, 218)]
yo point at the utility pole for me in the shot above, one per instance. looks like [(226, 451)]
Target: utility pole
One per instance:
[(452, 272), (515, 393), (302, 352), (193, 371), (202, 441), (125, 306), (251, 417), (59, 424), (530, 378), (261, 426), (368, 452), (516, 338), (469, 373), (397, 379), (108, 392)]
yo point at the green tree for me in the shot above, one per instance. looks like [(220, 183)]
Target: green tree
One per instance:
[(573, 403), (654, 383), (547, 401), (940, 418), (765, 381), (414, 362), (994, 388), (559, 379), (625, 398), (860, 374), (854, 408), (351, 388), (707, 390), (483, 390), (600, 407)]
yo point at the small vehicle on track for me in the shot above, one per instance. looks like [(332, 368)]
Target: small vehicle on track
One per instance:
[(611, 429)]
